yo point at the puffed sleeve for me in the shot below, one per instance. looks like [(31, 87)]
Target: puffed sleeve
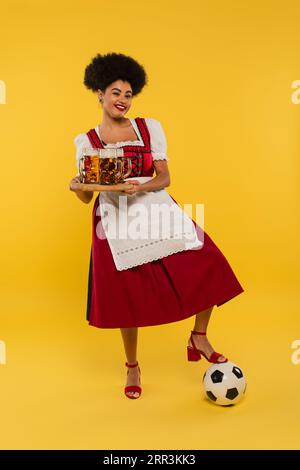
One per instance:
[(158, 139), (80, 141)]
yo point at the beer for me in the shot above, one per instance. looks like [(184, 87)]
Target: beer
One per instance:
[(104, 166), (89, 167), (110, 170)]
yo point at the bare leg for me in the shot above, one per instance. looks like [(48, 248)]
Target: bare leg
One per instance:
[(129, 336), (202, 319), (201, 324)]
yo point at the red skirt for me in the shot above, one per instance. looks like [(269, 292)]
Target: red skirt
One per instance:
[(162, 291)]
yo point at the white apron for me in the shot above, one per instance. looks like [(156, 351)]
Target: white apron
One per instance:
[(144, 227)]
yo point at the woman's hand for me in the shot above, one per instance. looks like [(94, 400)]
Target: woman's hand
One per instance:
[(75, 184), (123, 187), (133, 187)]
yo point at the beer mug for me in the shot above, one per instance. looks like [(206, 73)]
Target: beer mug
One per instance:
[(114, 167), (89, 168), (110, 166), (104, 166), (126, 167)]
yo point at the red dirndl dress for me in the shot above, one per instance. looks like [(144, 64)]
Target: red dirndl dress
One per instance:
[(166, 290)]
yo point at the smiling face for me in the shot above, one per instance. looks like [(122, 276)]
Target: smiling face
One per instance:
[(116, 100)]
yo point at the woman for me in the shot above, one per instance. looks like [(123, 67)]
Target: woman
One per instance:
[(164, 290)]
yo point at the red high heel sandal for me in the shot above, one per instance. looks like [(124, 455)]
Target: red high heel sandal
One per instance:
[(132, 388), (194, 354)]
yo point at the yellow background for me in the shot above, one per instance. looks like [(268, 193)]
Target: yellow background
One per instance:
[(220, 79)]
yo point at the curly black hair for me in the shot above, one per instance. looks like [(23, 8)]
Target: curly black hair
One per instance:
[(106, 69)]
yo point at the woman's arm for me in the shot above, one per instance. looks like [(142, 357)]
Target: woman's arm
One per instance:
[(162, 178), (85, 196), (160, 181)]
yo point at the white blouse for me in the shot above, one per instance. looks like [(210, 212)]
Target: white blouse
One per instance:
[(157, 138)]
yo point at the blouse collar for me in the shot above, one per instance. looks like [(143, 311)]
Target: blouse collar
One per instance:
[(123, 142)]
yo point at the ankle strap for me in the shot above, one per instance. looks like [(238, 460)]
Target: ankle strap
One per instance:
[(131, 365), (198, 332)]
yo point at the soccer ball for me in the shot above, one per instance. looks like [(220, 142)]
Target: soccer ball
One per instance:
[(224, 383)]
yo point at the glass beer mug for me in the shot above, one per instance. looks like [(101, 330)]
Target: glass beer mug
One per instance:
[(104, 166), (126, 166), (110, 166), (89, 168), (114, 167)]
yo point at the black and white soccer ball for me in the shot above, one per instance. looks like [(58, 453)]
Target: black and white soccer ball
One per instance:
[(224, 383)]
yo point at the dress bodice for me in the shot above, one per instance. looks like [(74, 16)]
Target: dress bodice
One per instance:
[(149, 146), (138, 150)]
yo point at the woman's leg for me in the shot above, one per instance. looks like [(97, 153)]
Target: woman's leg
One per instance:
[(129, 336), (201, 324), (202, 319)]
